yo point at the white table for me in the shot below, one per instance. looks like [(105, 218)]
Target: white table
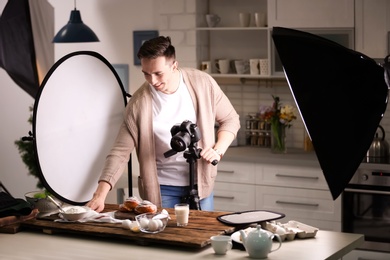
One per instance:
[(36, 245)]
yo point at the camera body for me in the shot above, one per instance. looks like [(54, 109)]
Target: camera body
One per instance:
[(184, 135)]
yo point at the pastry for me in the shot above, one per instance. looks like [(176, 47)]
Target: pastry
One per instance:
[(129, 204), (145, 207)]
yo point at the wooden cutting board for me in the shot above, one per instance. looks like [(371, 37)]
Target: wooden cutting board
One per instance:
[(202, 225)]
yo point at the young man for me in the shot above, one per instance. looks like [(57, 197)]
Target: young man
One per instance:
[(169, 96)]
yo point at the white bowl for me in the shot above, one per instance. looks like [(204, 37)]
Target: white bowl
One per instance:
[(74, 213), (152, 223)]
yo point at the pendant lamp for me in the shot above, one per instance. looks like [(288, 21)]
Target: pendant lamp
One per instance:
[(75, 30)]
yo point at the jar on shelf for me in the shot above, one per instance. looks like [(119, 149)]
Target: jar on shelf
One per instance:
[(260, 140), (254, 137), (267, 139), (248, 138)]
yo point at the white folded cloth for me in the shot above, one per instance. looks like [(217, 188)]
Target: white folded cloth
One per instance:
[(93, 216)]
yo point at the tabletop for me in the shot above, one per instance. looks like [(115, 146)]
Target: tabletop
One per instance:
[(38, 245)]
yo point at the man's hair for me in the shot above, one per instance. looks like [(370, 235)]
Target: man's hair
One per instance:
[(157, 47)]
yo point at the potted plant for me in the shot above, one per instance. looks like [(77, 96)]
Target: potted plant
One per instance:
[(26, 150)]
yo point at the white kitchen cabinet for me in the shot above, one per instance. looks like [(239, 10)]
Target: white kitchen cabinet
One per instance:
[(234, 196), (287, 176), (235, 186), (362, 255), (371, 27), (299, 192), (303, 205), (233, 172), (311, 14)]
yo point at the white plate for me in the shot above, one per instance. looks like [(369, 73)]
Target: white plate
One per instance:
[(236, 237)]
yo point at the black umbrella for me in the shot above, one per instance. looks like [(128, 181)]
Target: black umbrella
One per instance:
[(341, 95)]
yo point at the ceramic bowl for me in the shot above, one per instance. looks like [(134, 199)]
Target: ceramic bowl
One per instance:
[(74, 213), (43, 205), (152, 222)]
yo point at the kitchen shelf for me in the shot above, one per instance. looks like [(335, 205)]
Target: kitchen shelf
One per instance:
[(228, 40), (246, 76), (232, 28)]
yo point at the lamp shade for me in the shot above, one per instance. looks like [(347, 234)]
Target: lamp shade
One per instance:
[(75, 30)]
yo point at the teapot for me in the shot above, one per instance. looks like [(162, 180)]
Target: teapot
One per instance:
[(258, 242), (379, 149)]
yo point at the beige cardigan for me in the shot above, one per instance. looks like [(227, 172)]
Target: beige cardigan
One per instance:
[(211, 105)]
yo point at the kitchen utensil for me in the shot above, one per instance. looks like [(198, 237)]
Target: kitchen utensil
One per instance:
[(223, 66), (212, 20), (261, 19), (221, 244), (74, 213), (242, 66), (245, 19), (44, 205), (56, 203), (258, 243), (379, 149)]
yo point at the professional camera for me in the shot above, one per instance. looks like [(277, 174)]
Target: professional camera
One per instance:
[(184, 135)]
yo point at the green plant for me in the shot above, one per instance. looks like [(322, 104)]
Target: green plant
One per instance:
[(27, 153)]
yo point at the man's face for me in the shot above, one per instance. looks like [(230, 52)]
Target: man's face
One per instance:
[(160, 73)]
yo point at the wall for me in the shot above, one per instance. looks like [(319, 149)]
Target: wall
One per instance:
[(113, 21)]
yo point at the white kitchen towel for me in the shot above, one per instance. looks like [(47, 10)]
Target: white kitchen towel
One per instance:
[(93, 216)]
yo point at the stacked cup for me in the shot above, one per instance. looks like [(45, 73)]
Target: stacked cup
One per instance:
[(254, 66), (264, 67), (260, 19)]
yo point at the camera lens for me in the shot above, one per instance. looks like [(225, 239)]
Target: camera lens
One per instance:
[(180, 141)]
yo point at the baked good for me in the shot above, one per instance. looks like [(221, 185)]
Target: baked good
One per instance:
[(145, 207), (129, 204)]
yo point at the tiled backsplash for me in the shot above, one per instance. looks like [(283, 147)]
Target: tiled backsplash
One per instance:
[(178, 20), (247, 98)]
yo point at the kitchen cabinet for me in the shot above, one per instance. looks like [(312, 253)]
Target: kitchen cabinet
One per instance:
[(360, 254), (311, 14), (300, 192), (371, 27), (229, 40), (235, 187)]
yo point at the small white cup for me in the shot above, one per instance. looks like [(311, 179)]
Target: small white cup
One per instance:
[(223, 66), (245, 19), (242, 66), (260, 19), (206, 66), (264, 67), (212, 20), (254, 66), (221, 244), (182, 211)]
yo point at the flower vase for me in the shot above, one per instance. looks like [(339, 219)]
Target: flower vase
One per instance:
[(278, 138)]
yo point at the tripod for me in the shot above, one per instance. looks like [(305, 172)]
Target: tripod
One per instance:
[(192, 154)]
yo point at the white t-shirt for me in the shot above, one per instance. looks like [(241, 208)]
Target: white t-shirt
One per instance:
[(169, 110)]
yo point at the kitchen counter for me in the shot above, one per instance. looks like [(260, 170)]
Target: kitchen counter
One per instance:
[(293, 157), (38, 245)]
